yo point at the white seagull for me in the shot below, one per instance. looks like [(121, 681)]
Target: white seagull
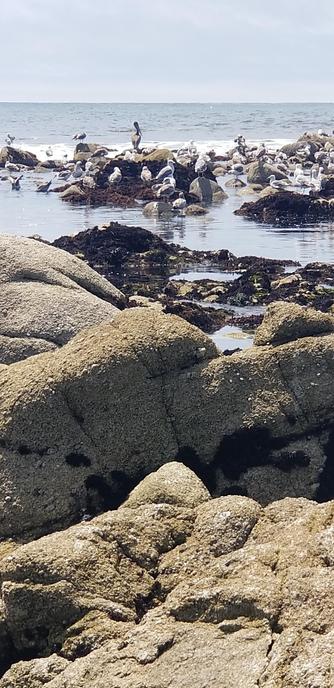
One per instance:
[(115, 177), (166, 171), (78, 171), (146, 175), (11, 167), (180, 203), (279, 184)]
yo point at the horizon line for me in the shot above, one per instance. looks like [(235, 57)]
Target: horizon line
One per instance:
[(157, 102)]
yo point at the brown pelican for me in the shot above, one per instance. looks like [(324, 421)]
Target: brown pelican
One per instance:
[(136, 136)]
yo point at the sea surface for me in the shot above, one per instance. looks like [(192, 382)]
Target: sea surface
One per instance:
[(37, 126)]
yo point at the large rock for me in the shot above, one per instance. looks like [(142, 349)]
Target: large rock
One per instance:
[(259, 172), (221, 593), (46, 297), (207, 190), (18, 157), (284, 322), (80, 426)]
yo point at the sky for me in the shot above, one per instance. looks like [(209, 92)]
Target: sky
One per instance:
[(167, 50)]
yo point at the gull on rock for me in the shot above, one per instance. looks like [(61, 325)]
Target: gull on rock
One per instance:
[(79, 137), (167, 188), (115, 177), (166, 171), (279, 184), (78, 171), (11, 167), (49, 152), (180, 203), (201, 165), (146, 175)]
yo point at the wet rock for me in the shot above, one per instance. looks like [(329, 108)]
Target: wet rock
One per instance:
[(83, 151), (157, 208), (18, 157), (46, 297), (207, 319), (73, 193), (207, 190), (284, 322), (195, 209), (259, 172), (283, 207)]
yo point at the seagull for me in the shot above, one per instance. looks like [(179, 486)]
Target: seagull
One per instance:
[(100, 153), (49, 152), (136, 136), (89, 182), (180, 203), (15, 182), (44, 188), (279, 184), (115, 177), (79, 137), (166, 171), (78, 171), (64, 175), (261, 151), (11, 167), (167, 188), (146, 175), (9, 139), (201, 165), (237, 170)]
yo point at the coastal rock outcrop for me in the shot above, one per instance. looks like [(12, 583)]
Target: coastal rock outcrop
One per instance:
[(80, 426), (284, 206), (207, 190), (285, 322), (46, 297), (259, 172), (174, 588), (18, 157)]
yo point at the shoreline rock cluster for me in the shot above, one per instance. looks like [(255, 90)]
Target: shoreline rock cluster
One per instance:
[(164, 510), (174, 588)]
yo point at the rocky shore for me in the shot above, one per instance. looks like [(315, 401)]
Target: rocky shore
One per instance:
[(167, 510), (157, 494)]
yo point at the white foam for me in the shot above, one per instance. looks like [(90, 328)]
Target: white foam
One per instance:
[(220, 146)]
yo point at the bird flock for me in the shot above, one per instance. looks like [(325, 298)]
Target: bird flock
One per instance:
[(302, 172)]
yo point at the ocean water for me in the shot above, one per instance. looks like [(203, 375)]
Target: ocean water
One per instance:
[(36, 126)]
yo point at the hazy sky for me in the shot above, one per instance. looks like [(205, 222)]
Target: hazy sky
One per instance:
[(167, 50)]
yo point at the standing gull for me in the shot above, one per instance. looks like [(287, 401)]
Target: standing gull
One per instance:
[(44, 188), (146, 175), (180, 203), (79, 137), (9, 139), (136, 136), (115, 177)]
